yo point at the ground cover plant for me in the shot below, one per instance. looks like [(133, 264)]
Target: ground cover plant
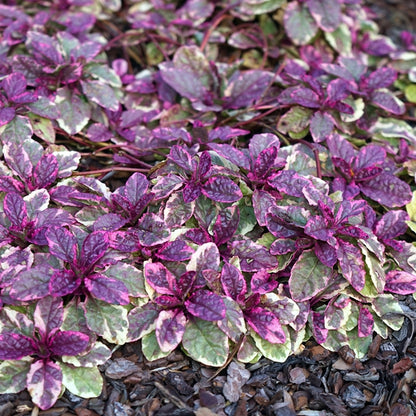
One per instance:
[(231, 179)]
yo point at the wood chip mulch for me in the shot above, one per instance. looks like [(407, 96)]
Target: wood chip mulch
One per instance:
[(316, 382)]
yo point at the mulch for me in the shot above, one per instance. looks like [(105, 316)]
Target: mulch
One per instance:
[(315, 382)]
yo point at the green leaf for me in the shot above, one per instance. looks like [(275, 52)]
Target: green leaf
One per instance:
[(131, 277), (82, 381), (13, 375), (142, 321), (104, 74), (247, 218), (335, 340), (233, 324), (299, 23), (296, 120), (357, 105), (101, 94), (387, 307), (151, 349), (309, 276), (248, 352), (106, 320), (359, 345), (205, 342), (336, 317), (17, 131), (274, 352), (411, 207), (75, 111), (340, 39), (97, 355), (42, 127), (391, 127), (410, 93), (376, 274)]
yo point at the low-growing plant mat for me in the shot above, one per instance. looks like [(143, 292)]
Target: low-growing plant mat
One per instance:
[(207, 208)]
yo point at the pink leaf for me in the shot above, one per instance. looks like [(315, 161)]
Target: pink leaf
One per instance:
[(44, 383), (400, 282)]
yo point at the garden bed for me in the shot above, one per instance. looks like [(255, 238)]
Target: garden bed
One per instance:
[(207, 208)]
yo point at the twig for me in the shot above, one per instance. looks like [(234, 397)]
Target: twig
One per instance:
[(177, 401)]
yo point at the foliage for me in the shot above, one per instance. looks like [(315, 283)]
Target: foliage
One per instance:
[(199, 175)]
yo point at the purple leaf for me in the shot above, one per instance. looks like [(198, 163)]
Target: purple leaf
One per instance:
[(46, 171), (14, 85), (206, 305), (230, 153), (9, 184), (176, 250), (262, 202), (226, 225), (160, 278), (222, 189), (62, 244), (245, 88), (253, 257), (170, 327), (265, 162), (6, 115), (260, 142), (400, 282), (109, 222), (64, 282), (204, 163), (233, 282), (289, 182), (15, 346), (381, 78), (305, 97), (48, 314), (388, 190), (369, 156), (261, 283), (320, 333), (340, 147), (45, 47), (44, 383), (391, 224), (15, 209), (327, 13), (18, 160), (152, 230), (282, 246), (266, 324), (337, 90), (191, 191), (365, 323), (135, 188), (387, 101), (93, 248), (321, 126), (68, 343), (351, 264), (107, 289), (32, 284), (318, 228)]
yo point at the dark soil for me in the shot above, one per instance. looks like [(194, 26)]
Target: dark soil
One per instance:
[(316, 382)]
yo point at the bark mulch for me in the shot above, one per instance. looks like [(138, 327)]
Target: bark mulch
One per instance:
[(316, 382)]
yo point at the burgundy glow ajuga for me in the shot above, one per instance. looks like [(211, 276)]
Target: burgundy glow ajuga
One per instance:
[(191, 179)]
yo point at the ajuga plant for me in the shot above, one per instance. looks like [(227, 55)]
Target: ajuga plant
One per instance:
[(220, 177)]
